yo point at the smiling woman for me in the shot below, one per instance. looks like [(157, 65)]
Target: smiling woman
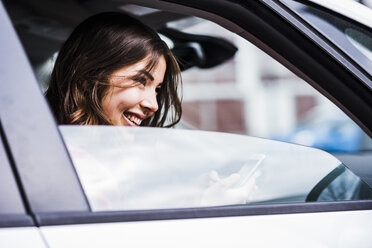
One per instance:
[(115, 70), (130, 106)]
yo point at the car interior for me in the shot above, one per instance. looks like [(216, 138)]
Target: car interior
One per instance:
[(43, 32)]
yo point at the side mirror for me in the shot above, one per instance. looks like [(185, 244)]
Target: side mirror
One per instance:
[(189, 54)]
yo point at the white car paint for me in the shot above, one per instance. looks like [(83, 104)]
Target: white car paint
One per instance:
[(19, 237), (315, 230)]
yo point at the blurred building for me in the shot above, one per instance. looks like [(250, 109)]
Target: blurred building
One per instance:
[(251, 94)]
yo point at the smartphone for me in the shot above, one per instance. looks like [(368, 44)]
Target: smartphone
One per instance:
[(250, 167)]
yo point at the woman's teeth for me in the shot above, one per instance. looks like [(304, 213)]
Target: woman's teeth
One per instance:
[(133, 119)]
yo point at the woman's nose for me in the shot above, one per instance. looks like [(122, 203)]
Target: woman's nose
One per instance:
[(149, 101)]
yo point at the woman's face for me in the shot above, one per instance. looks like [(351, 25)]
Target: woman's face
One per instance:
[(136, 100)]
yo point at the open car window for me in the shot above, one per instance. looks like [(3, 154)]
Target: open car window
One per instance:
[(229, 85), (125, 168), (253, 94)]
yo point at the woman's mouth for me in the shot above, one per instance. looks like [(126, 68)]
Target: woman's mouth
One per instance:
[(132, 119)]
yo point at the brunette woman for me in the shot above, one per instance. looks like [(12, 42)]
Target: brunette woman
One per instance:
[(115, 70)]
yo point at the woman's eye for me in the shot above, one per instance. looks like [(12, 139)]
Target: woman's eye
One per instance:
[(141, 80)]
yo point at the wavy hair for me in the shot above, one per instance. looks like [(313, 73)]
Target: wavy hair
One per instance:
[(97, 47)]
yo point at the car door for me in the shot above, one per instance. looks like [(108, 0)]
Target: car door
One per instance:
[(64, 215), (159, 187), (17, 228)]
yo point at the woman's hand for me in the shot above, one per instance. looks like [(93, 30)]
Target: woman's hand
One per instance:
[(227, 191)]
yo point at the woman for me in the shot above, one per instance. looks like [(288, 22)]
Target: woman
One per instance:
[(115, 70)]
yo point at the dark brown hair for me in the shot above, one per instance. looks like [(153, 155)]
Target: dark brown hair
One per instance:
[(97, 47)]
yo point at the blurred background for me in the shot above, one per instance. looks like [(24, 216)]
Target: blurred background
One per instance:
[(255, 95)]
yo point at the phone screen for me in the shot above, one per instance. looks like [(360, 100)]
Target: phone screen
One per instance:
[(250, 167)]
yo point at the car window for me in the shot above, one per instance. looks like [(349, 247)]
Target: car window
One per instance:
[(361, 41), (249, 94), (123, 168), (255, 95), (10, 198), (246, 93)]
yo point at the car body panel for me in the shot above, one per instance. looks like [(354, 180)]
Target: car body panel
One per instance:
[(22, 237), (10, 199), (293, 230)]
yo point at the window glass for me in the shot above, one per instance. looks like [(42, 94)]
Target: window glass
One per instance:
[(10, 199), (361, 41), (125, 168)]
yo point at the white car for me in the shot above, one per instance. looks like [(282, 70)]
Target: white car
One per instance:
[(108, 186)]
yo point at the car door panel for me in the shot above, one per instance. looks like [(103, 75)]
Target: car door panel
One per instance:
[(21, 237), (287, 230), (17, 228)]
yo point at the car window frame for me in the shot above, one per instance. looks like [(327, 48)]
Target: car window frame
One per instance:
[(69, 218), (48, 136), (333, 34)]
